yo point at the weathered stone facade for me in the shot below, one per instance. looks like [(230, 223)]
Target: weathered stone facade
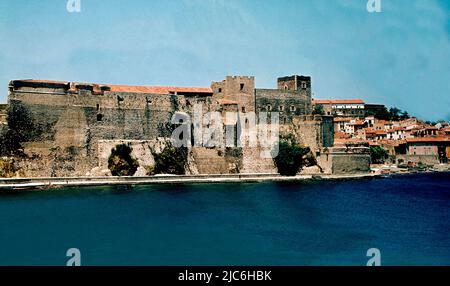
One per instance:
[(75, 125)]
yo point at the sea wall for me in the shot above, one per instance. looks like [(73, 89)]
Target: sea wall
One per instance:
[(425, 159)]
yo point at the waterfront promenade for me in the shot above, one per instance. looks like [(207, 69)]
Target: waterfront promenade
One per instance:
[(48, 183)]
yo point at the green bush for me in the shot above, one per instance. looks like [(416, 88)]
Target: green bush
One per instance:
[(318, 110), (290, 156), (120, 161), (20, 129), (171, 160), (378, 154)]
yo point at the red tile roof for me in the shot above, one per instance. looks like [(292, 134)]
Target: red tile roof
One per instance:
[(428, 139), (159, 89), (370, 130), (384, 122), (338, 101), (389, 142), (357, 122), (341, 135), (341, 119), (128, 88)]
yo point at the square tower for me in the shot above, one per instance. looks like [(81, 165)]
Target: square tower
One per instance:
[(297, 83)]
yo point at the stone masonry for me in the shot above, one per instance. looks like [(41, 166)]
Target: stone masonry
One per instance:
[(74, 125)]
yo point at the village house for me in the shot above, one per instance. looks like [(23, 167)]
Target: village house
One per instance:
[(382, 125), (396, 133), (342, 107), (353, 126), (429, 146), (425, 131), (340, 123), (381, 134)]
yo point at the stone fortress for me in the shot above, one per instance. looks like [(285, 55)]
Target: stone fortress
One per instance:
[(75, 125)]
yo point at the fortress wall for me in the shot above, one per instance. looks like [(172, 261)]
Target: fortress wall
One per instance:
[(67, 127), (286, 98), (315, 132), (73, 128), (350, 163)]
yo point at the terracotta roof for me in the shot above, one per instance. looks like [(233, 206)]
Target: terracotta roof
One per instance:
[(340, 119), (428, 139), (384, 122), (159, 89), (357, 122), (431, 128), (338, 101), (370, 130), (341, 135), (389, 142), (126, 88)]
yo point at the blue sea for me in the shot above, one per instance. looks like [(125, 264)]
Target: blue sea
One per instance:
[(406, 217)]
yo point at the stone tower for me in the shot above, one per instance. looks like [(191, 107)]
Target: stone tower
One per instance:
[(237, 89), (297, 83)]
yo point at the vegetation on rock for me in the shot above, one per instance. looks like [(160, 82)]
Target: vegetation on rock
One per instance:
[(378, 154), (121, 163), (20, 129), (171, 160), (7, 169), (290, 155), (393, 114), (318, 110)]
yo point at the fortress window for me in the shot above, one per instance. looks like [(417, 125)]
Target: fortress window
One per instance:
[(242, 86), (303, 84), (99, 117), (285, 87), (269, 107), (284, 120), (281, 108), (243, 109), (98, 107), (219, 90), (293, 108)]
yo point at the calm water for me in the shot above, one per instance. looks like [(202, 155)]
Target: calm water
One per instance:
[(314, 223)]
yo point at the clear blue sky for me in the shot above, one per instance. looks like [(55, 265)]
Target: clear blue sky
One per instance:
[(400, 57)]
